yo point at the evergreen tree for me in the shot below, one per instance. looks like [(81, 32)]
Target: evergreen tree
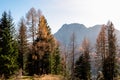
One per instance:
[(23, 45), (55, 61), (79, 68), (110, 60), (82, 66), (9, 51)]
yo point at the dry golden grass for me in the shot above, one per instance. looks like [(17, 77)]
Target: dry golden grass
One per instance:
[(51, 77), (43, 77)]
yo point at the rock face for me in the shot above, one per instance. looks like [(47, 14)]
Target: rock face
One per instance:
[(80, 31)]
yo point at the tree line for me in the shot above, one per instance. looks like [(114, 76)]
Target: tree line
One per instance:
[(105, 56), (106, 51), (34, 50)]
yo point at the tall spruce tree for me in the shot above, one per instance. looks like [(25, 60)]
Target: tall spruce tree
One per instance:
[(23, 44), (8, 45), (112, 47), (55, 61)]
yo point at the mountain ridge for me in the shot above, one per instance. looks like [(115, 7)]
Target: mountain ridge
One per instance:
[(63, 35)]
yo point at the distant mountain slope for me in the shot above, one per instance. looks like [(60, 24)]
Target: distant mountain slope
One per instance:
[(81, 31)]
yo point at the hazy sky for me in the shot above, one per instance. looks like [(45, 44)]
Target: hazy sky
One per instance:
[(59, 12)]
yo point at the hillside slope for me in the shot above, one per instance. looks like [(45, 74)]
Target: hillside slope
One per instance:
[(63, 35)]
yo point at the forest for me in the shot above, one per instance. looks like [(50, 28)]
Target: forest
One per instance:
[(32, 50)]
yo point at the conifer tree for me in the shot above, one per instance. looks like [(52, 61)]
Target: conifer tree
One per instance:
[(30, 63), (106, 46), (44, 47), (112, 47), (82, 66), (9, 51), (32, 22), (55, 61), (101, 47), (23, 45), (79, 68)]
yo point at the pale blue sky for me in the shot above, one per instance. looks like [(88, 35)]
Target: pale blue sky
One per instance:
[(59, 12)]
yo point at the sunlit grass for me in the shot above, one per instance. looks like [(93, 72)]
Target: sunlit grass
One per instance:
[(43, 77)]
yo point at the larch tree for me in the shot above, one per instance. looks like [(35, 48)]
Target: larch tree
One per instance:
[(8, 45), (44, 47), (23, 44), (32, 22), (101, 48)]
